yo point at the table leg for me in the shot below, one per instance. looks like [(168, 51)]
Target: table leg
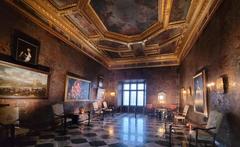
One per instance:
[(65, 124), (89, 117), (170, 135)]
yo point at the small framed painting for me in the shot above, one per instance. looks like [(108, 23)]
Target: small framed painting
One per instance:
[(100, 93), (100, 81), (25, 48), (76, 89), (199, 95)]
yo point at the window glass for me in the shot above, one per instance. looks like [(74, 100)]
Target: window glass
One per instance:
[(126, 98), (140, 86), (140, 98), (134, 86), (125, 86), (133, 98)]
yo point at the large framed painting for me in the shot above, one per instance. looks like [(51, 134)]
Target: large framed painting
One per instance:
[(25, 48), (22, 82), (200, 96), (76, 89)]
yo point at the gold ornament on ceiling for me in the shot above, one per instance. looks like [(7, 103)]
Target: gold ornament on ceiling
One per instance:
[(124, 33)]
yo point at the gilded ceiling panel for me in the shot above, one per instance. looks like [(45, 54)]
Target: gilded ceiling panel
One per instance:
[(164, 36), (111, 44), (63, 4), (168, 49), (112, 55), (179, 10), (82, 23)]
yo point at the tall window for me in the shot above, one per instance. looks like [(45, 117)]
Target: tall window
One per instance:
[(134, 93)]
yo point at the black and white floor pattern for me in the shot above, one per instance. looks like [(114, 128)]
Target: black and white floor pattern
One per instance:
[(122, 130)]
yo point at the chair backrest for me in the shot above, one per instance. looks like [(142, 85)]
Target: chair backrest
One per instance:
[(58, 109), (9, 115), (185, 110), (149, 106), (95, 105), (214, 120), (105, 105)]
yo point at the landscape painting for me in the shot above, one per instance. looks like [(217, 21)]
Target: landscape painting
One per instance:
[(21, 82), (76, 89), (200, 100)]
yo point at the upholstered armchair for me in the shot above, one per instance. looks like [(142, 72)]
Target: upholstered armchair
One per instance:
[(106, 108), (97, 111), (207, 133), (182, 116)]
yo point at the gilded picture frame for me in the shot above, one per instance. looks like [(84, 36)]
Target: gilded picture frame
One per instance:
[(200, 93), (20, 82), (25, 48), (76, 88)]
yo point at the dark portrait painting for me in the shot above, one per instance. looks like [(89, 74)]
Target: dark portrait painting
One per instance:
[(21, 82), (76, 89), (25, 48), (200, 105)]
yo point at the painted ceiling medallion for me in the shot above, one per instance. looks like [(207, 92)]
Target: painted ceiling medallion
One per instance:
[(124, 33), (127, 17)]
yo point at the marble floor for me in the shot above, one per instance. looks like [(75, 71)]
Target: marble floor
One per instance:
[(122, 130)]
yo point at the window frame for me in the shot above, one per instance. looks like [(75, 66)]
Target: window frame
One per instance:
[(137, 82)]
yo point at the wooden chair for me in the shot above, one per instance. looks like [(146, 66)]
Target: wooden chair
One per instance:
[(207, 133), (182, 116), (9, 120), (106, 109), (97, 112), (59, 115)]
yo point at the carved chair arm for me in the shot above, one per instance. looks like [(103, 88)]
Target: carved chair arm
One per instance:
[(204, 129)]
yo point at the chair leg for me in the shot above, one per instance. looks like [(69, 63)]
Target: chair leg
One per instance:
[(89, 118), (214, 138), (196, 138), (189, 141)]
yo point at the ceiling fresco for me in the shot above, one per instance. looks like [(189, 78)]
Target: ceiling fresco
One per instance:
[(127, 17), (124, 33)]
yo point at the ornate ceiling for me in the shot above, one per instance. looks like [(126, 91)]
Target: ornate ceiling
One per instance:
[(124, 33)]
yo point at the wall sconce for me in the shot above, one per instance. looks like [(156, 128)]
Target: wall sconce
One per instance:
[(184, 91), (211, 84), (112, 93)]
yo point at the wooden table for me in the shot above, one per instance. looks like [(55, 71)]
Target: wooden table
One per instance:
[(161, 113)]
